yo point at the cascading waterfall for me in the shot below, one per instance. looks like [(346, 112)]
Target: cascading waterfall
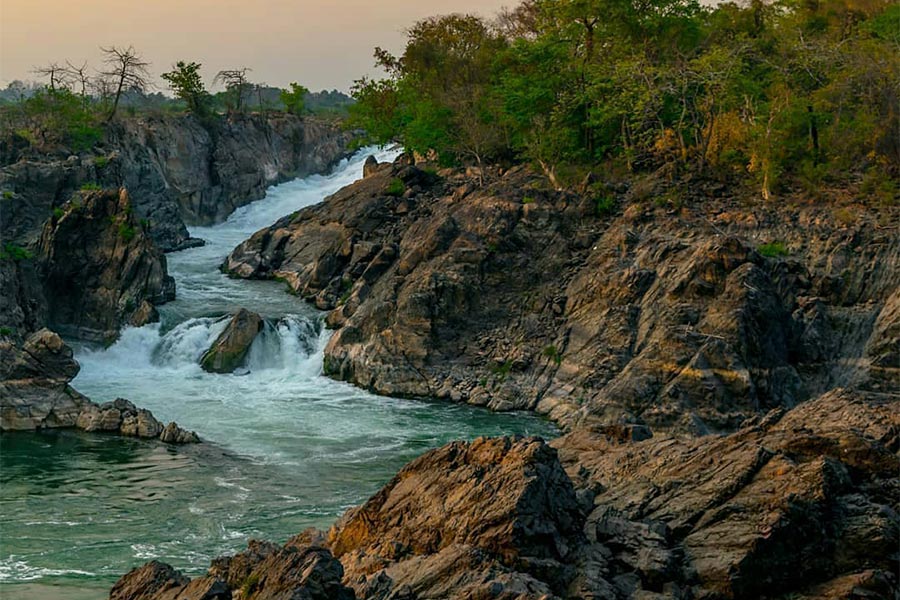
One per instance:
[(286, 448)]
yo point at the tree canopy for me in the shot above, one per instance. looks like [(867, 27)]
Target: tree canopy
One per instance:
[(768, 92)]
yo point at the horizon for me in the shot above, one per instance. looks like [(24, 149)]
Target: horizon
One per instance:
[(316, 44)]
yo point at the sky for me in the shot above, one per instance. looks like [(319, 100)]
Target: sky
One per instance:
[(322, 44)]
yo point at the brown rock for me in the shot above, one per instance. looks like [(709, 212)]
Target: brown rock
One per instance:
[(502, 504), (231, 347)]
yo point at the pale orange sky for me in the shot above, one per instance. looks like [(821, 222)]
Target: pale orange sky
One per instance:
[(319, 43)]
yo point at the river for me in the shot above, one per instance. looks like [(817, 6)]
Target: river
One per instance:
[(286, 447)]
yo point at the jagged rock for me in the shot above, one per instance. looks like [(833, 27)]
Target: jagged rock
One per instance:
[(370, 166), (35, 394), (99, 267), (783, 505), (176, 169), (145, 314), (264, 572), (34, 377), (231, 347), (513, 297), (500, 505), (173, 434)]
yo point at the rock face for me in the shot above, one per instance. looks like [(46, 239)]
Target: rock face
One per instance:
[(517, 297), (35, 394), (801, 503), (491, 517), (99, 268), (176, 170), (298, 570), (795, 504), (232, 346)]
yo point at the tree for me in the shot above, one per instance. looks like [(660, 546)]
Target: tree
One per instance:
[(126, 70), (57, 76), (186, 83), (238, 88), (80, 76), (294, 100)]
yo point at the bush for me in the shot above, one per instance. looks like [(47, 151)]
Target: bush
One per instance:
[(15, 253), (101, 161), (8, 195), (91, 186), (553, 354), (396, 188), (6, 331), (773, 250), (126, 232), (58, 212), (605, 205)]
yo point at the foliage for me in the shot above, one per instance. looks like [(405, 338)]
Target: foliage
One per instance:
[(13, 252), (773, 250), (396, 187), (294, 99), (91, 186), (126, 232), (775, 94), (185, 81)]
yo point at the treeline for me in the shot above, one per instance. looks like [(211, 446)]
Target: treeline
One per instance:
[(74, 103), (770, 93)]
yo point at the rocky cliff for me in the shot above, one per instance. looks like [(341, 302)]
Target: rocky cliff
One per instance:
[(177, 170), (591, 308)]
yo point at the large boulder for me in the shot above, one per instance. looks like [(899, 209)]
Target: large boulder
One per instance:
[(99, 266), (232, 346), (494, 514)]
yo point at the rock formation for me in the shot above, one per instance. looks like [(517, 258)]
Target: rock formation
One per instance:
[(100, 270), (799, 504), (299, 570), (232, 346), (35, 394), (514, 296), (177, 171)]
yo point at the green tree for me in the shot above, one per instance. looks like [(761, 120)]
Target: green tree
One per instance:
[(185, 81), (294, 99)]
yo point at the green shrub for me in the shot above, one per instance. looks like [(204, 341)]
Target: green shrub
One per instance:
[(773, 250), (126, 232), (502, 371), (101, 161), (396, 187), (8, 195), (12, 252), (528, 200), (6, 331), (604, 205), (553, 354), (91, 186), (58, 212)]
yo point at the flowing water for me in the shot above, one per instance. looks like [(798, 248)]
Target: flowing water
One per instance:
[(287, 448)]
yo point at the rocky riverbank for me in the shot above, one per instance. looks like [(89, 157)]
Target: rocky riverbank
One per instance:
[(798, 504), (178, 171), (516, 296)]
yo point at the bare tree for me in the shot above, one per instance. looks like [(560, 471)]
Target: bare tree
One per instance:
[(237, 84), (127, 70), (58, 76), (80, 77)]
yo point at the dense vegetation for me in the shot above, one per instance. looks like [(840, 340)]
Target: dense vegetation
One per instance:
[(74, 107), (773, 94)]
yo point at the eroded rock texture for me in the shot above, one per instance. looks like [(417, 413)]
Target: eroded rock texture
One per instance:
[(35, 394), (516, 297), (795, 504), (100, 270)]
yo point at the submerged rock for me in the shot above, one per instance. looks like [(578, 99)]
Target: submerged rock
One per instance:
[(231, 347)]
